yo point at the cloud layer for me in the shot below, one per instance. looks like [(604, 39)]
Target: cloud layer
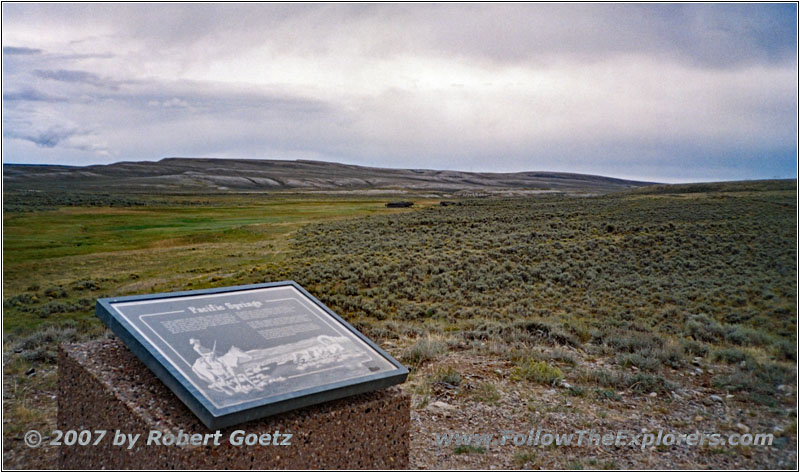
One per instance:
[(661, 92)]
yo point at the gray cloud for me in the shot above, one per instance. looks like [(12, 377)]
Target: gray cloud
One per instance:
[(49, 138), (651, 91), (700, 33), (12, 50), (82, 77), (31, 95), (694, 33)]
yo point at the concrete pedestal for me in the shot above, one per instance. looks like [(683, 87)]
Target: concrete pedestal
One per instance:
[(103, 386)]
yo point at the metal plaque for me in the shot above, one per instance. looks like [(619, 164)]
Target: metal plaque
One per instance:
[(240, 353)]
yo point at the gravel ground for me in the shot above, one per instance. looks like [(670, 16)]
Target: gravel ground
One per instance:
[(522, 407)]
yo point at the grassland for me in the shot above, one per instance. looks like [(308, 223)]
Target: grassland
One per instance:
[(63, 257), (626, 309)]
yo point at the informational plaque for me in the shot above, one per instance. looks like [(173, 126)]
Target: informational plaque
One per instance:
[(240, 353)]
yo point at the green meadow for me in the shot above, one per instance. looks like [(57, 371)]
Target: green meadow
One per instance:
[(61, 258)]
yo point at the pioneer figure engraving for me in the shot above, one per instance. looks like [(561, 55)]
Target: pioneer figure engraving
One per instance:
[(219, 372)]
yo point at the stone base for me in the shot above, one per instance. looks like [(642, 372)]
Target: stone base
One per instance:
[(103, 386)]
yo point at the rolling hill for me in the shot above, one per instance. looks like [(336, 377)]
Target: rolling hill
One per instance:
[(198, 175)]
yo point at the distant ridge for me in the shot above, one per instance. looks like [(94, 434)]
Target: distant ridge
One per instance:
[(209, 175)]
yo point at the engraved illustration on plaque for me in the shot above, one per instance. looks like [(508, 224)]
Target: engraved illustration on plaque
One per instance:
[(240, 371)]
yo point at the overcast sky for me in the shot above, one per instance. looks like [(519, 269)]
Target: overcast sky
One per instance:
[(671, 93)]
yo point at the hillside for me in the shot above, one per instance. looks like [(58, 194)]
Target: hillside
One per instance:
[(185, 175)]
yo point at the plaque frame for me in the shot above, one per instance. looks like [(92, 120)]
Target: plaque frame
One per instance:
[(217, 418)]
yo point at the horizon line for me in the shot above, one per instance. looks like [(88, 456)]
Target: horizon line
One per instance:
[(642, 180)]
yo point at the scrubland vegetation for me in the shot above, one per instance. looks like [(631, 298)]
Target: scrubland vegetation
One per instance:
[(650, 280), (602, 297)]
